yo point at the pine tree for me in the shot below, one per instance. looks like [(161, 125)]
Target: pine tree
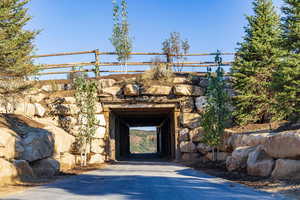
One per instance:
[(256, 61), (15, 43), (216, 112), (287, 78)]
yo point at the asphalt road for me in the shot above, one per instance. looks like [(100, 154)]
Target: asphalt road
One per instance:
[(143, 181)]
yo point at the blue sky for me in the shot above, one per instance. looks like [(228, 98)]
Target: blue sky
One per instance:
[(75, 25)]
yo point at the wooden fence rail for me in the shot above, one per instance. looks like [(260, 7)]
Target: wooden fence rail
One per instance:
[(97, 65)]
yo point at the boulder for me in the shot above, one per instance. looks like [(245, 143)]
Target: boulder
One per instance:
[(200, 103), (104, 83), (39, 110), (38, 144), (254, 139), (10, 144), (157, 90), (24, 170), (259, 163), (221, 156), (66, 162), (113, 91), (187, 105), (100, 133), (8, 172), (27, 109), (286, 169), (65, 109), (204, 83), (131, 90), (188, 90), (99, 108), (238, 158), (203, 148), (189, 156), (196, 134), (184, 135), (190, 120), (180, 80), (46, 88), (36, 98), (284, 145), (70, 100), (62, 140), (45, 168), (67, 122), (187, 147), (96, 159), (97, 146), (101, 120)]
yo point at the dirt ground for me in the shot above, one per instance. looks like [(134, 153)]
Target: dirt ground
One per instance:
[(22, 186), (218, 169)]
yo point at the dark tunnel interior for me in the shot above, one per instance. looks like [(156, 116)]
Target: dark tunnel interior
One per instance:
[(121, 120)]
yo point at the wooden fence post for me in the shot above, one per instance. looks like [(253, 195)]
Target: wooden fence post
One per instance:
[(97, 63)]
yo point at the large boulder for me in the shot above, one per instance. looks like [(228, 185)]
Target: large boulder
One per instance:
[(238, 158), (254, 139), (131, 90), (96, 159), (286, 169), (97, 146), (113, 91), (100, 133), (188, 90), (62, 140), (39, 110), (46, 168), (284, 145), (104, 83), (196, 134), (157, 90), (101, 119), (190, 120), (27, 109), (200, 103), (259, 163), (189, 156), (184, 135), (187, 104), (10, 144), (66, 162), (25, 171), (38, 144), (203, 148), (8, 172), (220, 156), (188, 147)]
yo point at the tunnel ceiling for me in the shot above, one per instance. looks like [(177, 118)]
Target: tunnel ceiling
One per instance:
[(143, 117)]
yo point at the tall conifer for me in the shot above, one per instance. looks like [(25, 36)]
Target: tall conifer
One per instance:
[(287, 78), (15, 42), (258, 56)]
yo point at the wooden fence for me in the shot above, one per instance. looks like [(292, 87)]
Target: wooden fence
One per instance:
[(97, 65)]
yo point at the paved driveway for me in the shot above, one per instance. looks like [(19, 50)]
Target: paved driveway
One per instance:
[(143, 181)]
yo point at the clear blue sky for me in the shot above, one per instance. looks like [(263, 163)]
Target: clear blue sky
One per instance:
[(75, 25)]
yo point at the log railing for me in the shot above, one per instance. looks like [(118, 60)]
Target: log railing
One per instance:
[(96, 66)]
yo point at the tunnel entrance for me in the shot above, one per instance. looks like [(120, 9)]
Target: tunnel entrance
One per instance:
[(123, 121)]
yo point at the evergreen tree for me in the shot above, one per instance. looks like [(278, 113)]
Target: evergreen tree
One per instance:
[(287, 78), (216, 112), (15, 42), (256, 61)]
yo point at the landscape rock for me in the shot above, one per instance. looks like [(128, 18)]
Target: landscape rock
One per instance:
[(221, 156), (259, 163), (187, 147), (284, 145), (203, 148), (66, 162), (10, 144), (200, 103), (24, 170), (105, 83), (131, 90), (39, 110), (27, 109), (70, 100), (38, 144), (45, 168), (113, 91), (96, 159), (238, 158), (187, 90), (196, 134), (158, 90), (187, 105), (184, 134), (97, 146), (36, 98), (101, 120), (254, 139), (8, 172), (46, 88), (189, 156), (190, 120), (286, 169), (100, 133)]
